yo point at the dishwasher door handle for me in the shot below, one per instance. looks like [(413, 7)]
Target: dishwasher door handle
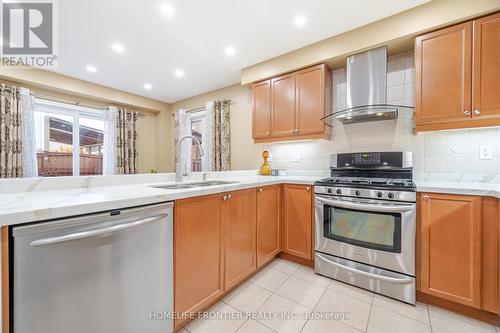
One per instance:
[(94, 233)]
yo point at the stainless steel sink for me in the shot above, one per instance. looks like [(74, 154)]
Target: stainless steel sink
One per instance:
[(176, 186), (194, 185), (213, 183)]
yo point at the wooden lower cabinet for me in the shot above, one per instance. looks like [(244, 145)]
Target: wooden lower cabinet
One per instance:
[(490, 255), (268, 223), (197, 254), (214, 248), (297, 220), (238, 213), (450, 247)]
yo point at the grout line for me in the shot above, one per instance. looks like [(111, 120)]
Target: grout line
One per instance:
[(429, 316), (347, 294), (241, 326), (314, 309), (270, 294), (239, 312), (404, 315), (298, 277), (274, 293), (369, 315)]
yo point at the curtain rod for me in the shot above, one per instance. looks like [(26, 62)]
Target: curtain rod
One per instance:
[(98, 105), (73, 102), (201, 108)]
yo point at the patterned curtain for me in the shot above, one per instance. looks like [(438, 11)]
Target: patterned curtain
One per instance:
[(10, 133), (126, 141), (221, 144)]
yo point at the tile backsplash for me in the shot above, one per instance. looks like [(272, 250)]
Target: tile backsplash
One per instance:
[(450, 152)]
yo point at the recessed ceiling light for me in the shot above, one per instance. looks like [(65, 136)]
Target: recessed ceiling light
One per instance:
[(300, 20), (167, 9), (91, 69), (148, 86), (118, 48), (179, 73), (230, 51)]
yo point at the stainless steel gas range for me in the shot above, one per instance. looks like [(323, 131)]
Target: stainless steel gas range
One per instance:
[(366, 221)]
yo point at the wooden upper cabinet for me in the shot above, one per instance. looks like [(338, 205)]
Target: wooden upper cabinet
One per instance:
[(268, 223), (238, 212), (451, 247), (457, 76), (443, 75), (291, 106), (297, 220), (283, 105), (486, 77), (197, 250), (311, 99), (261, 98)]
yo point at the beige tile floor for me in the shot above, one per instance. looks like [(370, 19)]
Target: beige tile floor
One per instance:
[(286, 287)]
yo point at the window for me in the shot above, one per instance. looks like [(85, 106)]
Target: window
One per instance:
[(69, 139), (197, 120)]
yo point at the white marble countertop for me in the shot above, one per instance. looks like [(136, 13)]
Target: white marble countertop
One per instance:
[(40, 199), (464, 188), (31, 206)]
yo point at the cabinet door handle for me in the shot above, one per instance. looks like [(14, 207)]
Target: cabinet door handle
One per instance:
[(477, 112), (467, 112), (425, 197)]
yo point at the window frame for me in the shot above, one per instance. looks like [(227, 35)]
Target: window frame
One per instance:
[(198, 116), (74, 111)]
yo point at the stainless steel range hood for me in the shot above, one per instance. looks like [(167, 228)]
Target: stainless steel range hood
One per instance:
[(367, 89)]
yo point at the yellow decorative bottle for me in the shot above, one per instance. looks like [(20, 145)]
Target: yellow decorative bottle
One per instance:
[(265, 169)]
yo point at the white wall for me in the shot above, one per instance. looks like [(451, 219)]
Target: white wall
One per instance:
[(454, 151)]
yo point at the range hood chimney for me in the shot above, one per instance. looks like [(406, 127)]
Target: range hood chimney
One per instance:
[(367, 78), (367, 89)]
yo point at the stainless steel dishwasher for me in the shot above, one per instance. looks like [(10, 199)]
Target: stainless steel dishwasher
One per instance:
[(104, 273)]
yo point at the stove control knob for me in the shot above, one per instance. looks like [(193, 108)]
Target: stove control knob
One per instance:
[(390, 195), (357, 192), (379, 194), (339, 191), (328, 190)]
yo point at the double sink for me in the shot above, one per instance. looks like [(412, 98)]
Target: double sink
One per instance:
[(194, 185)]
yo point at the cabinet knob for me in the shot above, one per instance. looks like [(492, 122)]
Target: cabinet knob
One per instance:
[(308, 188), (260, 190), (467, 112), (477, 112), (267, 133), (425, 197), (229, 196), (224, 197)]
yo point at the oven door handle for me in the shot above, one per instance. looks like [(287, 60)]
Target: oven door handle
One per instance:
[(366, 274), (366, 206)]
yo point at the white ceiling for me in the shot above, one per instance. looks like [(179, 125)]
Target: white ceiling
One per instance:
[(195, 37)]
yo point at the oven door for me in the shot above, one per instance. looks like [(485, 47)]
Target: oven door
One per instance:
[(375, 232)]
